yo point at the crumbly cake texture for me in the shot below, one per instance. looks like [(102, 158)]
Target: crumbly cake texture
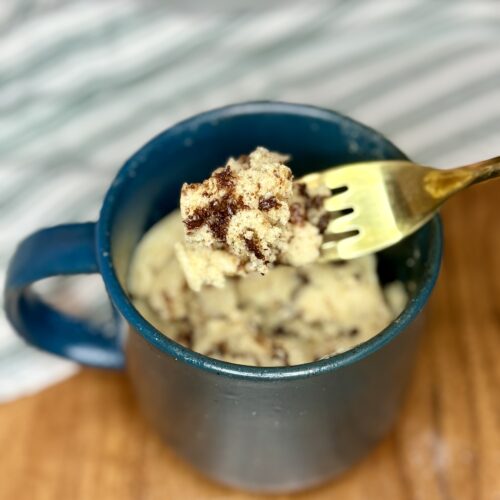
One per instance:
[(250, 210), (290, 316)]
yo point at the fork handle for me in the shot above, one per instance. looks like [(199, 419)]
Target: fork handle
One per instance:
[(483, 170), (441, 184)]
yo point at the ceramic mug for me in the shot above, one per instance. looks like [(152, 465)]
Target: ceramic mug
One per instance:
[(265, 429)]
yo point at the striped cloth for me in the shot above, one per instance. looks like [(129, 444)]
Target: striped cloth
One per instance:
[(84, 84)]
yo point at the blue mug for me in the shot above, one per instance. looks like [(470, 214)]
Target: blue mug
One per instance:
[(264, 429)]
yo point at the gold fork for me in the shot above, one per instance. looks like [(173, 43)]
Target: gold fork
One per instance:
[(375, 204)]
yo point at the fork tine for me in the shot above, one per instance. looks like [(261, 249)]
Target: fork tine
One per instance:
[(337, 202), (342, 224), (329, 252), (349, 247), (338, 250)]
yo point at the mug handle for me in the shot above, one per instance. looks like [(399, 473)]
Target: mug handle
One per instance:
[(59, 250)]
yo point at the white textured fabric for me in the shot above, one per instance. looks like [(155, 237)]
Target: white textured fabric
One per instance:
[(84, 84)]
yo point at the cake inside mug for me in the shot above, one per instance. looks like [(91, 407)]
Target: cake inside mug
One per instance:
[(233, 274)]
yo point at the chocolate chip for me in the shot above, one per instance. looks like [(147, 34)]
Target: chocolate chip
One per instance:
[(224, 178), (279, 331), (253, 246), (304, 279), (297, 213), (310, 201), (339, 263), (221, 213), (302, 189), (266, 204), (323, 222), (197, 219), (221, 348), (353, 332), (217, 215), (186, 338), (315, 202)]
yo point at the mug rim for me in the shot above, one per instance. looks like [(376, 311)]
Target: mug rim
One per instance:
[(180, 353)]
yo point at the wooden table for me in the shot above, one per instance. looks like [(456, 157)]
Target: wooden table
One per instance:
[(86, 440)]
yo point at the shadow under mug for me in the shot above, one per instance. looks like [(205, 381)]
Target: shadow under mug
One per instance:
[(265, 429)]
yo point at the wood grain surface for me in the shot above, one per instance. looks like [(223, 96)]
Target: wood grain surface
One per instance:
[(86, 440)]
